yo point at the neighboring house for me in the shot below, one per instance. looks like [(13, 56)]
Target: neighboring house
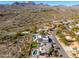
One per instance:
[(45, 48), (40, 40), (42, 50), (35, 52), (69, 38), (44, 55), (77, 25), (70, 27), (43, 29), (65, 22), (25, 32), (70, 21), (45, 38), (77, 33), (36, 36)]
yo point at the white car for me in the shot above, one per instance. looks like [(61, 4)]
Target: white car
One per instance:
[(54, 45)]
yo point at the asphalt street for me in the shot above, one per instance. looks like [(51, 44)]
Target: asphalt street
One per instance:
[(61, 50)]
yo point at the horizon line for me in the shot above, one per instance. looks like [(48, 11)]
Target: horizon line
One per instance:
[(50, 3)]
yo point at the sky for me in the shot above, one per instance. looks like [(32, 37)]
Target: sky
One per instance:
[(52, 3)]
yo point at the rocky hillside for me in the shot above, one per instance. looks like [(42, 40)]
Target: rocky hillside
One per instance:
[(20, 17)]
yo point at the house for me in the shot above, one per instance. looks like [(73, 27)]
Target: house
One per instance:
[(45, 28), (77, 33), (36, 36), (44, 37), (70, 21), (35, 52), (44, 55), (69, 38), (65, 22), (40, 40), (40, 44), (77, 25), (44, 48), (70, 27), (25, 32)]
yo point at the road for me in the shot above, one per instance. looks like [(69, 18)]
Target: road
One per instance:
[(61, 50)]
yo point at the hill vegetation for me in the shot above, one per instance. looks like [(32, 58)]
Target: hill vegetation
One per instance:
[(20, 17)]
